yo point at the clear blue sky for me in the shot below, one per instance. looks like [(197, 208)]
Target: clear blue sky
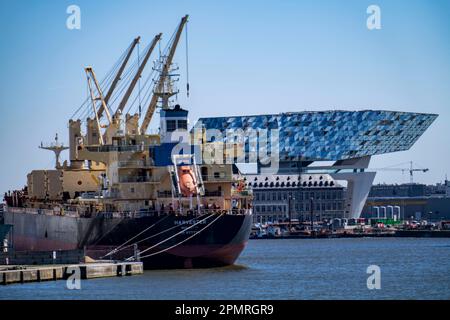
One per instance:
[(246, 57)]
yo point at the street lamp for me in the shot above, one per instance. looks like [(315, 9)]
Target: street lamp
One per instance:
[(311, 208), (290, 197)]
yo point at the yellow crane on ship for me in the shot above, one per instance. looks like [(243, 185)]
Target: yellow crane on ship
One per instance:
[(162, 89)]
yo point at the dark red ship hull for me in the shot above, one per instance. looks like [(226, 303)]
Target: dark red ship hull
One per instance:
[(162, 242)]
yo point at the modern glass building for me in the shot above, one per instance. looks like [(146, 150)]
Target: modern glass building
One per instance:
[(305, 140)]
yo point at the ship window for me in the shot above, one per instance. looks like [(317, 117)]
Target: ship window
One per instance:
[(216, 175), (182, 124), (132, 190), (171, 125)]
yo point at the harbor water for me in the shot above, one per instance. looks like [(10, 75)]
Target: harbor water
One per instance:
[(410, 268)]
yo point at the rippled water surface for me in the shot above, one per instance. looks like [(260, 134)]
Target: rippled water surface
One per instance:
[(282, 269)]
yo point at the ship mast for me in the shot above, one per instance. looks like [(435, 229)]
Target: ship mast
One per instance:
[(57, 148), (164, 85)]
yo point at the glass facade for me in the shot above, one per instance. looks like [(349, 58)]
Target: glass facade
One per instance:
[(331, 135)]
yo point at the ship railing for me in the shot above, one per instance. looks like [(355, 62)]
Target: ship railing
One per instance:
[(108, 194), (243, 193), (220, 177), (112, 148), (135, 163), (129, 214), (131, 179), (164, 194), (91, 195), (49, 212), (152, 213), (168, 194), (213, 193)]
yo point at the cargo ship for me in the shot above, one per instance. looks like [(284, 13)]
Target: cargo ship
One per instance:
[(125, 194)]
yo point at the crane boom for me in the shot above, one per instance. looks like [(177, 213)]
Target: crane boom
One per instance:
[(138, 74), (118, 75), (411, 170), (91, 75), (163, 76)]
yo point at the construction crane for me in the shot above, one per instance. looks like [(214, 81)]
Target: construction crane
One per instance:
[(138, 74), (411, 170), (163, 78), (118, 76)]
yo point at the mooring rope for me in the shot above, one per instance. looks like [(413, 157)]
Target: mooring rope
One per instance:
[(123, 247), (171, 237), (179, 243), (157, 234), (115, 250)]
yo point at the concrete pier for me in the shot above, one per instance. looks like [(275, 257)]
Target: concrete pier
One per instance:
[(21, 274)]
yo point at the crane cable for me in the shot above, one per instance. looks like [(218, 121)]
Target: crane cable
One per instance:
[(187, 62), (106, 80), (139, 84)]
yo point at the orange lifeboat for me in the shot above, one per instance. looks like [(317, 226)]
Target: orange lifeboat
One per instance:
[(188, 183)]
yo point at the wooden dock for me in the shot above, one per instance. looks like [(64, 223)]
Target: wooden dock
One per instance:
[(21, 274)]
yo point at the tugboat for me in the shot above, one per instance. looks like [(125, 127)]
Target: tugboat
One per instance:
[(129, 195)]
